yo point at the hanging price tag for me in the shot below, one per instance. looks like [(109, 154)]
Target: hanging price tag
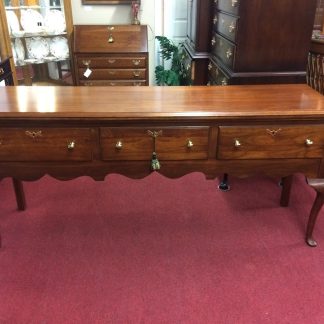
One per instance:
[(87, 73)]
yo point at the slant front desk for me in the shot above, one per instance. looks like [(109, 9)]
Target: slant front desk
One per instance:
[(66, 132)]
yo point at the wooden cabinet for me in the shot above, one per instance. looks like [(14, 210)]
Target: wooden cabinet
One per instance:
[(197, 44), (36, 35), (259, 41), (116, 55)]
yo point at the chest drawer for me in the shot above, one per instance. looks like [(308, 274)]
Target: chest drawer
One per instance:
[(114, 74), (113, 83), (137, 143), (271, 141), (216, 76), (226, 25), (223, 49), (230, 6), (48, 144), (112, 62)]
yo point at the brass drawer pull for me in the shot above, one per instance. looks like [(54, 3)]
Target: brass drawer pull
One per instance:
[(136, 62), (119, 145), (213, 41), (137, 84), (237, 143), (309, 142), (71, 145), (86, 62), (231, 27), (136, 74), (190, 143), (2, 71), (273, 132), (112, 72), (111, 61), (33, 134)]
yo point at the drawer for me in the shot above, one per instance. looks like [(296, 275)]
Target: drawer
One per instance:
[(226, 25), (223, 49), (137, 143), (113, 83), (112, 62), (45, 144), (230, 6), (271, 142), (216, 76), (114, 74)]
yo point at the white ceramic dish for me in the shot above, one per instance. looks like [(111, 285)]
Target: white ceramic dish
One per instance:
[(13, 21), (55, 22), (20, 50), (32, 21), (59, 47), (38, 47)]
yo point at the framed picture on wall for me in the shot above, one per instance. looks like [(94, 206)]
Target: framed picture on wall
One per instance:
[(102, 2)]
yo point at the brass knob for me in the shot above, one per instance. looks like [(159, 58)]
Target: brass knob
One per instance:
[(309, 142), (111, 39), (190, 144), (237, 143), (229, 53), (231, 27), (71, 145), (1, 71), (119, 145)]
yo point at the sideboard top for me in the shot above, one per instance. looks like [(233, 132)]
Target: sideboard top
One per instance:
[(201, 102)]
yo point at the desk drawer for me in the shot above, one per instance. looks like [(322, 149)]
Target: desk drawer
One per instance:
[(45, 144), (114, 74), (271, 141), (112, 62), (136, 143)]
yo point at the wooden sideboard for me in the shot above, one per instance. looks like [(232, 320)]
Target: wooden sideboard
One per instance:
[(66, 132)]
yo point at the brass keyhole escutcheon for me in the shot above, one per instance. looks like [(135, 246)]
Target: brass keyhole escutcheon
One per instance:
[(71, 145), (119, 145), (190, 143), (111, 39)]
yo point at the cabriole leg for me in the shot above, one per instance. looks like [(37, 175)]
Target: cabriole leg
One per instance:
[(224, 186)]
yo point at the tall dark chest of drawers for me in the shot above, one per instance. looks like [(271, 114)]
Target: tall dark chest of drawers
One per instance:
[(260, 41), (110, 55)]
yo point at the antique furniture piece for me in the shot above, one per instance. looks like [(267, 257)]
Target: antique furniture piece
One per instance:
[(102, 2), (197, 44), (260, 41), (36, 34), (6, 73), (110, 55), (67, 132)]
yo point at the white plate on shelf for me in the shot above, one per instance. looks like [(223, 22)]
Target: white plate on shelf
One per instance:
[(59, 47), (55, 22), (38, 47), (31, 21), (20, 50), (13, 21)]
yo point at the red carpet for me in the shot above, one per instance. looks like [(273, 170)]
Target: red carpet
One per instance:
[(159, 251)]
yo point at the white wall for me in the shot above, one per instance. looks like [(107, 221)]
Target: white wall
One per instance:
[(119, 14)]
